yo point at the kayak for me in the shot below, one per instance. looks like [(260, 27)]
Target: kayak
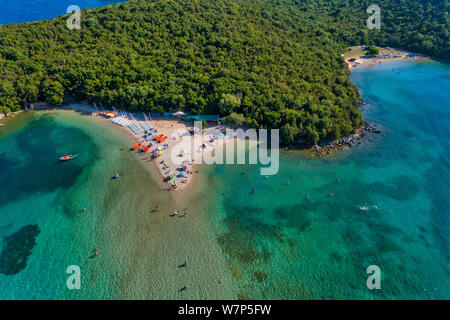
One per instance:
[(136, 146), (70, 157), (146, 148)]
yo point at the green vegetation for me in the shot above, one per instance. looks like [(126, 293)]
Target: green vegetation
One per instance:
[(234, 119), (372, 51), (260, 63)]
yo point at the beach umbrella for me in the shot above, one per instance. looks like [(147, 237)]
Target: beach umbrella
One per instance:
[(160, 152), (183, 175)]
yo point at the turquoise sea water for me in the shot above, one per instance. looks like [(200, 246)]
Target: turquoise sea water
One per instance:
[(291, 239), (43, 229)]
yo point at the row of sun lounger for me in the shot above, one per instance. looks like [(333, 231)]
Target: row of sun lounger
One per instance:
[(123, 122), (135, 128), (146, 126)]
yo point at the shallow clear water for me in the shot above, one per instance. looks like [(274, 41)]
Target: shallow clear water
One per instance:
[(44, 229), (288, 240), (291, 239), (19, 11)]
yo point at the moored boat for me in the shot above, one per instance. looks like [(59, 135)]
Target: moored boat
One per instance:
[(69, 157)]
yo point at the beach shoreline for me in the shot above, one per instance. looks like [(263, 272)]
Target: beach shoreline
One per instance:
[(172, 155), (355, 56)]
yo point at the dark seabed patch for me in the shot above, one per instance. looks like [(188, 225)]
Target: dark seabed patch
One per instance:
[(243, 240), (295, 216), (17, 248)]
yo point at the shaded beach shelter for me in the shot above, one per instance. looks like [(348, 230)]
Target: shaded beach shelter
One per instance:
[(179, 114)]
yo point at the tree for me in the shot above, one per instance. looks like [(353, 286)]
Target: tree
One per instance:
[(372, 51), (53, 92), (5, 110), (229, 103), (234, 120), (311, 136), (288, 134)]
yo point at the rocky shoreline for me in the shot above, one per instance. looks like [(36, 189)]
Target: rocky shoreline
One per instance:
[(326, 148)]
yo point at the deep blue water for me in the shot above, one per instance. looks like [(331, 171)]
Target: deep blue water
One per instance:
[(17, 11)]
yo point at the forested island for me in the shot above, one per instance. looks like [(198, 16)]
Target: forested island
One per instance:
[(260, 63)]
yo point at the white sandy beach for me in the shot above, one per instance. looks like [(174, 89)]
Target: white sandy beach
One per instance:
[(177, 151), (355, 57)]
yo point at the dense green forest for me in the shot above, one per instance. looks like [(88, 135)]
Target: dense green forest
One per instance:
[(262, 63)]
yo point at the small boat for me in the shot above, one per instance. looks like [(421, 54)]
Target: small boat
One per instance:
[(116, 176), (69, 157)]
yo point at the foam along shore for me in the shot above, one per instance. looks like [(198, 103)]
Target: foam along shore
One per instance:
[(356, 56)]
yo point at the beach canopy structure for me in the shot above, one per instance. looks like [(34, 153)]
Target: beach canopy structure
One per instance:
[(206, 117), (179, 114)]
